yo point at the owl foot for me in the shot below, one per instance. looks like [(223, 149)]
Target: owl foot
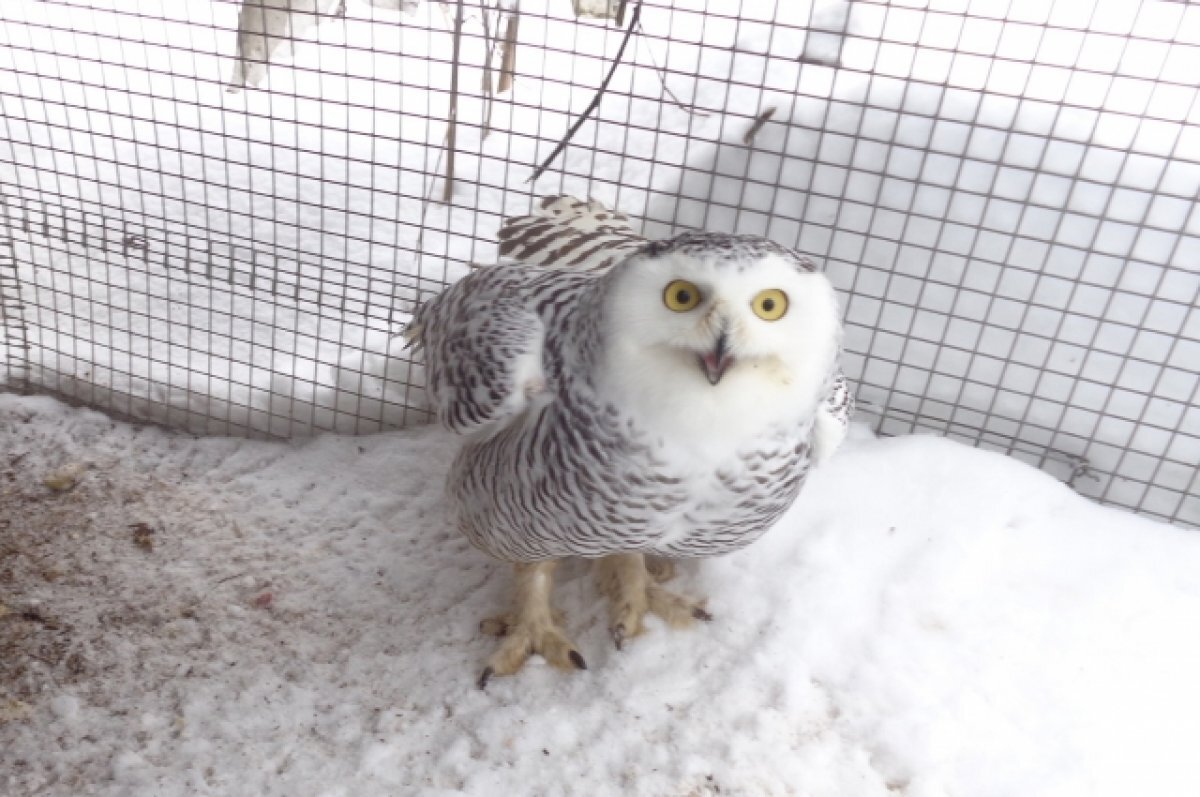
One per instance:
[(532, 627), (660, 568), (632, 592), (498, 626)]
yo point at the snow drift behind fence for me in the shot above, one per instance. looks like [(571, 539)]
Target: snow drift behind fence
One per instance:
[(1006, 199)]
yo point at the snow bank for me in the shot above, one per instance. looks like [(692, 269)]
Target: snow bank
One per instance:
[(930, 619)]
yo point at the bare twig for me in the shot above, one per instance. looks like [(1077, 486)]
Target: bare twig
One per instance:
[(759, 121), (595, 103), (489, 44), (231, 578), (452, 128), (662, 79), (420, 245), (489, 51), (508, 53)]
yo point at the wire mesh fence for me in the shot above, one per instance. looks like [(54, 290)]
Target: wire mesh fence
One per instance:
[(218, 216)]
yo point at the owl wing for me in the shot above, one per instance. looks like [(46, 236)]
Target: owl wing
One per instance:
[(483, 348), (484, 337), (833, 418), (565, 232)]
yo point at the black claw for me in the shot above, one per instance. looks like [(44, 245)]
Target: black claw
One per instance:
[(576, 659), (701, 614), (483, 679)]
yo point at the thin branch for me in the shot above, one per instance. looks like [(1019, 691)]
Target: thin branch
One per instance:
[(662, 79), (419, 248), (489, 52), (452, 129), (489, 44), (595, 103), (759, 121), (508, 54)]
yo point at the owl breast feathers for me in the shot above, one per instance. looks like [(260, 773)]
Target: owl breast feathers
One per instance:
[(620, 395)]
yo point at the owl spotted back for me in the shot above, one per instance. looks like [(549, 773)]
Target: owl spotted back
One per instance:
[(569, 233)]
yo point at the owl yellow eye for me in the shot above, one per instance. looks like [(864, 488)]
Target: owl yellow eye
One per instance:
[(681, 296), (770, 305)]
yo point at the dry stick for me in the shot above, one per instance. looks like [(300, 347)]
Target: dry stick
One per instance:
[(759, 121), (489, 44), (662, 79), (420, 245), (508, 55), (595, 103), (489, 50), (452, 129)]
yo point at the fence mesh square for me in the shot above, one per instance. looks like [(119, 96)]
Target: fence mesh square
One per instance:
[(218, 215)]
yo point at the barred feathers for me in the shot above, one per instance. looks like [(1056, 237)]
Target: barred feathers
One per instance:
[(591, 426)]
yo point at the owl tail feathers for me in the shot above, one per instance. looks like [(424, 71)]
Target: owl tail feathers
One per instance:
[(833, 419), (588, 215), (414, 331), (828, 433), (412, 337), (565, 232)]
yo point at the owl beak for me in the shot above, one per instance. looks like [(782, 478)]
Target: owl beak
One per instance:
[(715, 362)]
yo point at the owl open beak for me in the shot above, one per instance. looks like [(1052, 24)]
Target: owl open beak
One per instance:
[(715, 362)]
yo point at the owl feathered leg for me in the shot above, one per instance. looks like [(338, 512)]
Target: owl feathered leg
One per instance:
[(632, 591), (531, 627), (661, 568)]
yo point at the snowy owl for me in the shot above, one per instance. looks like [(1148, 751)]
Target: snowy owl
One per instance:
[(624, 398)]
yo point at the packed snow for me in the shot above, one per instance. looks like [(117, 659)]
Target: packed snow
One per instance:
[(188, 616)]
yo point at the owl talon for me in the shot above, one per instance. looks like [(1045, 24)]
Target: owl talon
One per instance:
[(528, 637), (498, 626), (618, 636), (632, 590), (531, 627)]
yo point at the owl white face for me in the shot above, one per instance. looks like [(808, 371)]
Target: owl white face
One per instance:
[(711, 337)]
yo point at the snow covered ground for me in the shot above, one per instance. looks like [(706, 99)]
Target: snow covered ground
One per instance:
[(1006, 204), (228, 617)]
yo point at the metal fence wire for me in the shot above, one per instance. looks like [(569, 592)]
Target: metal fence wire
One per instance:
[(217, 216)]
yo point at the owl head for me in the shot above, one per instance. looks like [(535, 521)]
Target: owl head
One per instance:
[(722, 329)]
